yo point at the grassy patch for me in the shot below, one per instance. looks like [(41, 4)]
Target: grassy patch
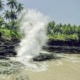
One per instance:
[(63, 37), (8, 34)]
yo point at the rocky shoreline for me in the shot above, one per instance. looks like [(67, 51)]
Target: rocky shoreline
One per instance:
[(63, 49), (7, 48), (58, 46)]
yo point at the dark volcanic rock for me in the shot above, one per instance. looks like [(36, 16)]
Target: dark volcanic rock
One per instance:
[(62, 49), (43, 57), (7, 47), (52, 42), (58, 46)]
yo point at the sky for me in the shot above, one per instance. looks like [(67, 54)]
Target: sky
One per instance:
[(60, 11)]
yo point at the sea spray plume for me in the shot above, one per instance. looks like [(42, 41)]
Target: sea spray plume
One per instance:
[(33, 26)]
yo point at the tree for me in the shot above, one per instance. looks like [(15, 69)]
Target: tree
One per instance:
[(1, 5), (50, 28), (13, 15), (15, 9), (1, 8), (57, 29), (19, 7), (7, 14), (1, 21), (12, 3), (78, 32), (13, 25)]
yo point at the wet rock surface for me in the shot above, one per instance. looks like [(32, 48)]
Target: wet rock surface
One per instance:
[(7, 48), (44, 56), (62, 49), (58, 46)]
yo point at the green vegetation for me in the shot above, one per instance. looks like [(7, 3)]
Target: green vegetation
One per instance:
[(63, 32), (8, 34), (9, 22)]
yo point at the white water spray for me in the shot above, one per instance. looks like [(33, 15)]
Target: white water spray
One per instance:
[(33, 26)]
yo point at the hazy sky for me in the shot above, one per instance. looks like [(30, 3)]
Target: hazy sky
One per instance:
[(64, 11)]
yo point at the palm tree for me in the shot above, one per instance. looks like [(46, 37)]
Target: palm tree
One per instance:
[(10, 18), (1, 5), (13, 15), (13, 25), (15, 7), (1, 21), (7, 14), (12, 3), (78, 32), (19, 7), (7, 25), (50, 28)]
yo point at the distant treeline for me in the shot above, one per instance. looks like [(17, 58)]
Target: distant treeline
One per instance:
[(63, 32)]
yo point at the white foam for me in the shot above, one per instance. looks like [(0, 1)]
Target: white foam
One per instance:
[(33, 26)]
